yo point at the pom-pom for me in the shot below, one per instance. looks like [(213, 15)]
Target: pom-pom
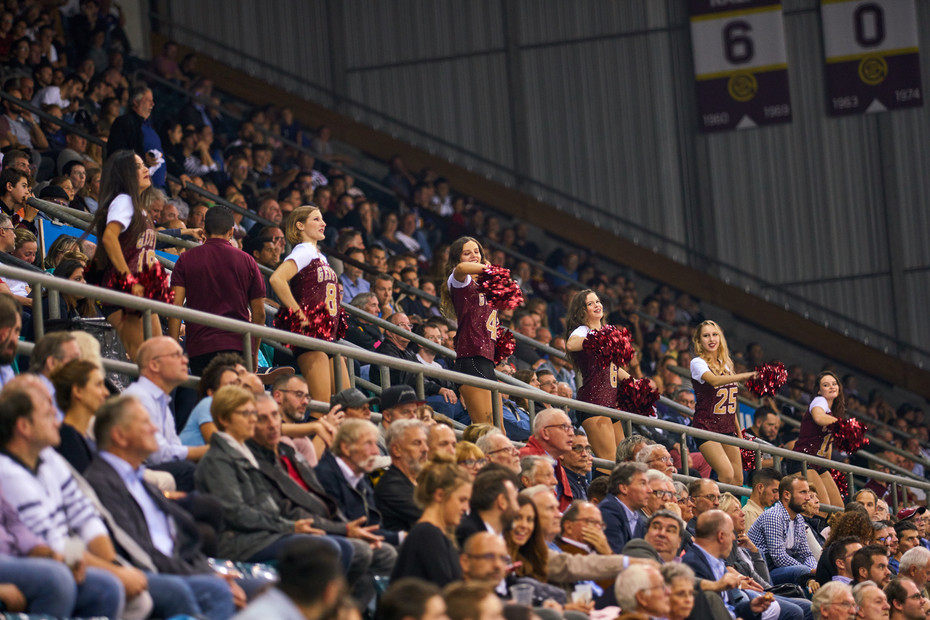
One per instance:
[(322, 324), (505, 345), (154, 279), (839, 477), (748, 456), (342, 325), (500, 290), (637, 396), (609, 344), (770, 378), (848, 435), (122, 282)]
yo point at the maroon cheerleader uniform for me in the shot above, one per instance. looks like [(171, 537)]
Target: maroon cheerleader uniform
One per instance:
[(315, 283), (477, 329), (600, 385), (715, 407), (814, 439)]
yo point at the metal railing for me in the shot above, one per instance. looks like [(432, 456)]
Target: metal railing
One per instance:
[(339, 351)]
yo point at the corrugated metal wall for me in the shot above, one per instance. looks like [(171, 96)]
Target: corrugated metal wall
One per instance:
[(596, 100)]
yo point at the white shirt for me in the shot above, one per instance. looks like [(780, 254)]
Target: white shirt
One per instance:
[(303, 254), (121, 210)]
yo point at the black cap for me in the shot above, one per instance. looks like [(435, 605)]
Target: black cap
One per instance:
[(353, 397), (399, 395)]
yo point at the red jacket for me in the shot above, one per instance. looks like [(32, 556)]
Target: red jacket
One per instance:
[(563, 490)]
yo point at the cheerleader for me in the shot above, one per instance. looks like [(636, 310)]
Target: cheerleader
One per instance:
[(827, 407), (716, 408), (600, 381), (305, 280), (461, 301), (126, 242)]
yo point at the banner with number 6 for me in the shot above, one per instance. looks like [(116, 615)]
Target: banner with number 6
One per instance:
[(873, 64), (740, 63)]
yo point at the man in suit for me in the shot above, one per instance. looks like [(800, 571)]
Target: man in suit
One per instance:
[(291, 481), (622, 509), (493, 503), (713, 541), (167, 535), (343, 472)]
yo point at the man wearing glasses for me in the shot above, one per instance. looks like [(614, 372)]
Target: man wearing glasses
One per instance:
[(578, 464), (834, 601), (905, 599), (553, 435), (661, 494), (498, 448)]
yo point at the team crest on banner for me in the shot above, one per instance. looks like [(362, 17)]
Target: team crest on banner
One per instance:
[(740, 63), (872, 57)]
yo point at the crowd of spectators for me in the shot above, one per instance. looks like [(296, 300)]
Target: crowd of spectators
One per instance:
[(114, 503)]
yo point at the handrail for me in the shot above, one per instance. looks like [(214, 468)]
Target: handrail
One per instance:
[(519, 179), (250, 330)]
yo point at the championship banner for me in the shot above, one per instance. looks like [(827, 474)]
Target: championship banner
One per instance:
[(873, 63), (740, 63)]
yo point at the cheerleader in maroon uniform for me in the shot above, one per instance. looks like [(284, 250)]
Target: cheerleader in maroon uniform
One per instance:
[(600, 381), (126, 241), (814, 438), (477, 324), (305, 280), (716, 409)]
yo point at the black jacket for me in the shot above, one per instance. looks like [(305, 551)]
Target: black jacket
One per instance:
[(431, 386), (394, 497), (126, 133)]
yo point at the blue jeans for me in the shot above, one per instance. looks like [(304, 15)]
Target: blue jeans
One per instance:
[(791, 608), (190, 595), (790, 574), (101, 594), (270, 553), (48, 585)]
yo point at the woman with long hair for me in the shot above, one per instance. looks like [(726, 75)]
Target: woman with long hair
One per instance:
[(461, 301), (815, 439), (526, 542), (429, 551), (600, 382), (80, 390), (716, 409), (74, 306), (305, 280), (125, 240)]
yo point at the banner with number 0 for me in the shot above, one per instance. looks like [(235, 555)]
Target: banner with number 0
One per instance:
[(872, 57), (740, 63)]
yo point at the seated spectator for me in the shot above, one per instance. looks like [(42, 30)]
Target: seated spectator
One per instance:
[(398, 402), (292, 484), (472, 601), (73, 306), (442, 492), (394, 493), (578, 464), (661, 493), (361, 332), (343, 472), (764, 493), (255, 525), (641, 589), (622, 509), (469, 456), (353, 284), (54, 350), (441, 439), (552, 435), (308, 436), (80, 391), (537, 470), (914, 566), (199, 426), (163, 367), (834, 600), (657, 457), (871, 564), (498, 448), (493, 504), (411, 599), (355, 405), (871, 601), (167, 536), (905, 600)]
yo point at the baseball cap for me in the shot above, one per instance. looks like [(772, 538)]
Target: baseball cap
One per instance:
[(907, 513), (399, 395), (352, 397)]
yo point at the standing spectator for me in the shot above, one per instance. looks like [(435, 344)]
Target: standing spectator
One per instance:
[(134, 131), (218, 279)]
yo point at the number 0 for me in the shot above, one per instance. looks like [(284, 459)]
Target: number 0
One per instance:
[(737, 46), (869, 20)]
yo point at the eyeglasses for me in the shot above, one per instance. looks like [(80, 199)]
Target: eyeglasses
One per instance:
[(684, 500), (299, 394), (248, 413), (5, 228), (509, 449), (661, 459), (473, 462), (490, 557), (709, 497), (565, 427), (854, 607), (586, 449), (666, 495), (594, 522)]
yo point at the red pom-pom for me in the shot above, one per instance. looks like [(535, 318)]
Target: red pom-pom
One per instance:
[(771, 378), (748, 456), (122, 282), (637, 396), (848, 435), (322, 324), (155, 280), (505, 345), (342, 325), (500, 290), (839, 477), (609, 344)]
